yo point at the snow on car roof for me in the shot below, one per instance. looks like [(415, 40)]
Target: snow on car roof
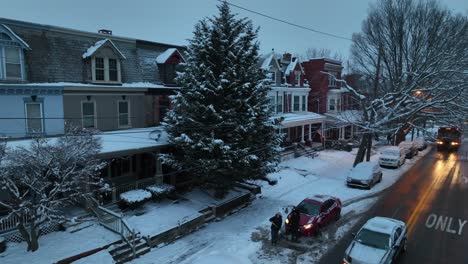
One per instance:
[(391, 149), (319, 198), (382, 224), (363, 168)]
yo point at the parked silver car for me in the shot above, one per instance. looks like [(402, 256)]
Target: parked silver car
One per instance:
[(380, 240), (365, 174)]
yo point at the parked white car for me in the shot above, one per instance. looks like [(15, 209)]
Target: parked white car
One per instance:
[(421, 143), (380, 240), (410, 148), (365, 174), (392, 157)]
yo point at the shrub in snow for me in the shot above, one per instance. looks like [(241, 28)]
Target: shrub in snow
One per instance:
[(134, 199), (160, 191)]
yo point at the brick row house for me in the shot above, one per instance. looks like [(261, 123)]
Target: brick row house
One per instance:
[(52, 76), (289, 95), (329, 98)]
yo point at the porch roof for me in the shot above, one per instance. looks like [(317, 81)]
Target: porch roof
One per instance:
[(345, 117), (300, 118), (121, 142)]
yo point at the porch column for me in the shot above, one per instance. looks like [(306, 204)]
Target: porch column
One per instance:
[(302, 134), (340, 133), (158, 176), (310, 133), (352, 131), (323, 133)]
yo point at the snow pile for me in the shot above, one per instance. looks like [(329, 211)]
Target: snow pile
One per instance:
[(159, 190), (135, 196)]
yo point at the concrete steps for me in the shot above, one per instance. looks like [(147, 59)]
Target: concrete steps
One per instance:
[(123, 253)]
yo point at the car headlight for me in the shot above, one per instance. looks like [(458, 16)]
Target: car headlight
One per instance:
[(287, 221), (440, 142), (347, 258), (308, 226), (454, 143)]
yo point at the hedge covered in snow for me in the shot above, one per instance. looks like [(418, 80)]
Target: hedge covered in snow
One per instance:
[(160, 191), (135, 197)]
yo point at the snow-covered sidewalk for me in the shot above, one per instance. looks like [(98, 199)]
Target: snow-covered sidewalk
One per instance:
[(236, 239)]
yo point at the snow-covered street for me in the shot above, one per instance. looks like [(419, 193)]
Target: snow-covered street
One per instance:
[(244, 236)]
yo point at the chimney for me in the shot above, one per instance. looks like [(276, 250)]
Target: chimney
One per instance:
[(287, 57), (105, 31)]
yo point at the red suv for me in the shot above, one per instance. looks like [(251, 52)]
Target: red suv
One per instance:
[(316, 212)]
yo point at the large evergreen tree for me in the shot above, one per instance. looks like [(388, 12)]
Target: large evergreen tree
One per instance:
[(220, 121)]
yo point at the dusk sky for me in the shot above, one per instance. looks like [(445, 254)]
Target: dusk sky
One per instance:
[(173, 21)]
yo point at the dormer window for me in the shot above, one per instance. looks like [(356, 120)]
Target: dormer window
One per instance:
[(167, 64), (11, 55), (297, 78), (106, 70), (105, 62)]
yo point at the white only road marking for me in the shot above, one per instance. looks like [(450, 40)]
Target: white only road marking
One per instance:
[(445, 223)]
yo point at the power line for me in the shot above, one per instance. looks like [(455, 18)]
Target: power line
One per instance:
[(285, 22)]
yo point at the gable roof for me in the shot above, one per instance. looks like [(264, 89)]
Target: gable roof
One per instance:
[(265, 61), (15, 37), (292, 66), (163, 57), (91, 50)]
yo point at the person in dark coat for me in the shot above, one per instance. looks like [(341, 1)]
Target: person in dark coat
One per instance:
[(295, 217), (276, 222)]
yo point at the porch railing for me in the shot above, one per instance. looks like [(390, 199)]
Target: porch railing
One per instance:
[(10, 222), (113, 221)]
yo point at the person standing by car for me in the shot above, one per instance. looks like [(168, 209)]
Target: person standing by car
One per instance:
[(295, 217), (276, 222)]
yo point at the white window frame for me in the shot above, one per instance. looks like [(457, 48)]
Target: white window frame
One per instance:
[(3, 71), (298, 97), (332, 79), (332, 102), (297, 78), (106, 70), (28, 118), (304, 103), (95, 114), (279, 104), (129, 124), (273, 76)]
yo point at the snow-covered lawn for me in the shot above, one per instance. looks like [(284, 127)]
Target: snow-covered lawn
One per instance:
[(244, 237), (240, 238), (59, 245)]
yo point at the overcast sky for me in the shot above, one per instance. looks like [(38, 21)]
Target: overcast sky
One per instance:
[(172, 21)]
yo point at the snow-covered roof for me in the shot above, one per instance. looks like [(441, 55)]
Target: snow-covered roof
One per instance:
[(292, 66), (120, 142), (71, 84), (163, 57), (16, 37), (299, 118), (382, 224), (266, 61), (91, 50)]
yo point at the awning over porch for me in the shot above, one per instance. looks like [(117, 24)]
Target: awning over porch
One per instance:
[(120, 142), (299, 119)]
